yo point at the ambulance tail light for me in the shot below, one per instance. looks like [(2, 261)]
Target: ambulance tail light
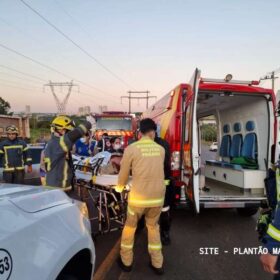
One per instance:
[(175, 160)]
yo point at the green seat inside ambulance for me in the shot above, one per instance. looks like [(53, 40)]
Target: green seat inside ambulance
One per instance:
[(243, 154), (248, 156)]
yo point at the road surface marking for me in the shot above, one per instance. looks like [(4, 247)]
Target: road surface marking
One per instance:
[(105, 267)]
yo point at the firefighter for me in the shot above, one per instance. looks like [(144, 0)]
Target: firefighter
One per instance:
[(270, 261), (58, 160), (165, 219), (14, 155), (271, 240), (145, 159)]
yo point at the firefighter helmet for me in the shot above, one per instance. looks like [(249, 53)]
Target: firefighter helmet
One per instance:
[(63, 122), (11, 129)]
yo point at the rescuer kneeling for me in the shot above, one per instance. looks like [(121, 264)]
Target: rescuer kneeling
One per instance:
[(145, 159)]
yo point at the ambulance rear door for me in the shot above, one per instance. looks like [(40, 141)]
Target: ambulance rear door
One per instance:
[(193, 140)]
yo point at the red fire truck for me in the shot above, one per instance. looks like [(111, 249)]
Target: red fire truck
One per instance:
[(116, 124), (246, 132)]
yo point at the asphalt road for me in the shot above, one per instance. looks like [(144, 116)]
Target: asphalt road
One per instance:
[(222, 229)]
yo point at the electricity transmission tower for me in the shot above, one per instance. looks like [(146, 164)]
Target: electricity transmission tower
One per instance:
[(130, 97), (61, 104)]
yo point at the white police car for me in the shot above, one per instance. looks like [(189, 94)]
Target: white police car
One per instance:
[(44, 235)]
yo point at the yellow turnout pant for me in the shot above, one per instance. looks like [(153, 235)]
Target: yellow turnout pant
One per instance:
[(134, 214)]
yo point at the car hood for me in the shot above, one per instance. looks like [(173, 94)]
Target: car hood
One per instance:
[(32, 199)]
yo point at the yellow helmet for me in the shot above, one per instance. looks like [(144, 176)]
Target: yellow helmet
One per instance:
[(63, 122), (11, 129)]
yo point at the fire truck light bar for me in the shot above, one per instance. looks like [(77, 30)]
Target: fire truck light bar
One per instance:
[(239, 82)]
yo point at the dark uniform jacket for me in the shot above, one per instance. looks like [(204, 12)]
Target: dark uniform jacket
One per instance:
[(14, 154), (58, 161), (168, 200), (167, 157)]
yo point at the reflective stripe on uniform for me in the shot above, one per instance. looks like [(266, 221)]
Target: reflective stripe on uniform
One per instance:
[(166, 182), (83, 128), (273, 232), (25, 149), (29, 159), (126, 246), (9, 169), (48, 162), (6, 159), (1, 152), (62, 144), (14, 147), (146, 201), (155, 246), (130, 211), (19, 168), (65, 169)]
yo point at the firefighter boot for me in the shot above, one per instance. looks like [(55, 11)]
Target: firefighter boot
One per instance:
[(158, 271), (125, 268)]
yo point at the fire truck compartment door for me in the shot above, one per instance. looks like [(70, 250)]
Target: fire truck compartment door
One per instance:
[(195, 157)]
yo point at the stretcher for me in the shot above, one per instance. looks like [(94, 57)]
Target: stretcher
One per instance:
[(99, 192)]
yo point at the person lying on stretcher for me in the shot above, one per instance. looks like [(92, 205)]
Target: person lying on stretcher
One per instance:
[(110, 164)]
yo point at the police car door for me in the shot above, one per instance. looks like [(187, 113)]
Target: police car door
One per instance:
[(194, 141)]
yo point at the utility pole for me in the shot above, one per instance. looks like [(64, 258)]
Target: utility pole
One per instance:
[(130, 97), (273, 79), (61, 105), (271, 76)]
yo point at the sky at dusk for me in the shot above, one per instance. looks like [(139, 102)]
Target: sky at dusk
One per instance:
[(141, 45)]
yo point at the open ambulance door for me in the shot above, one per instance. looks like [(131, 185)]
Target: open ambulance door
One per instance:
[(194, 141)]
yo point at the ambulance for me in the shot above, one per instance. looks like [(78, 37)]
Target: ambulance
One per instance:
[(246, 134)]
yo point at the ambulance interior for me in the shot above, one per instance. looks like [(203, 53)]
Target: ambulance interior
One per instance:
[(244, 138)]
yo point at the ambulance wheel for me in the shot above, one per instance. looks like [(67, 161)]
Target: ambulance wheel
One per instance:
[(247, 212)]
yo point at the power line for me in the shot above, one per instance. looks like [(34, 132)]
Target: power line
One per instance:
[(76, 44), (17, 77), (22, 88), (51, 68), (84, 30), (130, 97), (22, 73), (40, 79), (12, 82)]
